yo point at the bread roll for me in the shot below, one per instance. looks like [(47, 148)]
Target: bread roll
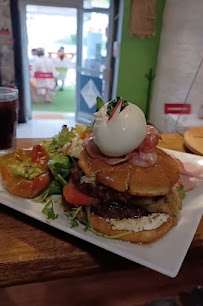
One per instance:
[(103, 226), (126, 177)]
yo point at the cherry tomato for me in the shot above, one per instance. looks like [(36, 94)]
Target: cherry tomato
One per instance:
[(39, 155), (86, 135)]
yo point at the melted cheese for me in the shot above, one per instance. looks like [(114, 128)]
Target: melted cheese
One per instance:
[(145, 223), (86, 179)]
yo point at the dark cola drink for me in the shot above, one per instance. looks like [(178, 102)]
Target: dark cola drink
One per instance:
[(8, 119)]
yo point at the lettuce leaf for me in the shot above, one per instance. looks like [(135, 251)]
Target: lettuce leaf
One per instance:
[(65, 136), (60, 165)]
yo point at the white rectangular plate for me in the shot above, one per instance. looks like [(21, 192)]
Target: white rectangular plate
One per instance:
[(165, 256)]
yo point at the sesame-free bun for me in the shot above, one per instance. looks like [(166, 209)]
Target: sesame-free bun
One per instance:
[(102, 226), (126, 177)]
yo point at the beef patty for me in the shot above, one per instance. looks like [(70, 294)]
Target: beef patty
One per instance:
[(97, 190), (114, 204), (108, 210)]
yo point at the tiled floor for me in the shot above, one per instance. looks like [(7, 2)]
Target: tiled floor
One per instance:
[(44, 128)]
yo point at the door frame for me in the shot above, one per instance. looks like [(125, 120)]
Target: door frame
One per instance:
[(83, 117), (24, 41), (26, 96), (117, 48)]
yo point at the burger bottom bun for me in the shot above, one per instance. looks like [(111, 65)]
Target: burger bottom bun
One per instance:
[(146, 236)]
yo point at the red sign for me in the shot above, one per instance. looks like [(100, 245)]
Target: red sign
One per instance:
[(177, 108), (4, 32), (43, 75)]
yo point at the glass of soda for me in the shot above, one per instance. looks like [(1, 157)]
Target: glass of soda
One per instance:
[(8, 119)]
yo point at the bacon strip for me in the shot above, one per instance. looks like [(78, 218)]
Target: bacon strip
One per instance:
[(142, 159), (187, 183), (150, 141), (92, 149), (116, 160), (189, 171), (139, 159), (94, 152)]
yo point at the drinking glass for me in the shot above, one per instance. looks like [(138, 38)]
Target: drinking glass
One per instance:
[(8, 119)]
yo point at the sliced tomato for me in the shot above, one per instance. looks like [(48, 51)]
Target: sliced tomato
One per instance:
[(21, 187), (17, 184), (74, 196)]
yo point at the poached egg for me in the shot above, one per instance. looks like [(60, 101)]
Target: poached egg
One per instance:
[(120, 133)]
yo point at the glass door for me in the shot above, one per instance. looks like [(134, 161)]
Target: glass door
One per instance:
[(95, 35), (58, 7)]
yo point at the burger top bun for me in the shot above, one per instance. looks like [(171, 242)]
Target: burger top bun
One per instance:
[(126, 177)]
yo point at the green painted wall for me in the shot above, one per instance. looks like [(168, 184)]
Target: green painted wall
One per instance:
[(137, 57)]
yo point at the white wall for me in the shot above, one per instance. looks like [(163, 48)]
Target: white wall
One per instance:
[(181, 50)]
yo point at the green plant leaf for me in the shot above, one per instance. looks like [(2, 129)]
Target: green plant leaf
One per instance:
[(113, 104), (60, 167), (88, 128), (53, 188), (100, 103), (48, 210), (74, 215), (182, 191)]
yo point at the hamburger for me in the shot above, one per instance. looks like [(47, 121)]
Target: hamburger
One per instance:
[(129, 185)]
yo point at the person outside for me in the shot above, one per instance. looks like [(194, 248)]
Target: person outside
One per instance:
[(44, 73), (33, 57), (32, 80), (61, 67)]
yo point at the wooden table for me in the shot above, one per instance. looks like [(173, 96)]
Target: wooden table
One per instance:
[(54, 268)]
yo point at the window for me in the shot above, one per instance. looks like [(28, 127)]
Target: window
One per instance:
[(88, 4)]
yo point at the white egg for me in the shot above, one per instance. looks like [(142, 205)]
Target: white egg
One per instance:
[(122, 133)]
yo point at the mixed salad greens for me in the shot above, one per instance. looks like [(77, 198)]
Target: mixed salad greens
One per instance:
[(62, 152)]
